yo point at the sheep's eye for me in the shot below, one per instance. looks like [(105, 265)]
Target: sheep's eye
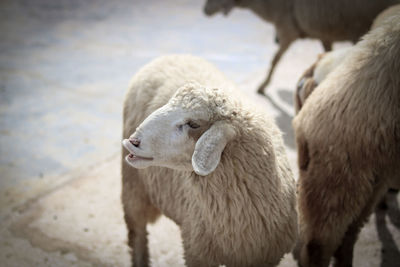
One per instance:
[(192, 124)]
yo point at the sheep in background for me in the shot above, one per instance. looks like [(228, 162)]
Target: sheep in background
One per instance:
[(316, 73), (327, 62), (211, 162), (348, 140), (329, 21)]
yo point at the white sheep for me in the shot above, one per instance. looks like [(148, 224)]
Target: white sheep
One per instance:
[(214, 164), (328, 21), (316, 73), (348, 140)]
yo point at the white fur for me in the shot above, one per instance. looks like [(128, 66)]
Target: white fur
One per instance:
[(328, 63)]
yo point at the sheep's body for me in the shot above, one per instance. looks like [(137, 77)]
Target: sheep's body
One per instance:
[(244, 212), (348, 138), (328, 21), (337, 20)]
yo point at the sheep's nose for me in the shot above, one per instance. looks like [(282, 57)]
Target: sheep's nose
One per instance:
[(135, 142)]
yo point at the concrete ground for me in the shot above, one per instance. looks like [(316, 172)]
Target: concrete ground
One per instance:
[(64, 68)]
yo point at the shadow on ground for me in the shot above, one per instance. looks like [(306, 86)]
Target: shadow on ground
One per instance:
[(390, 254), (284, 119)]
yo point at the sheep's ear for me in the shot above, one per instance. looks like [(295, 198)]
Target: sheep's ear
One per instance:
[(209, 147)]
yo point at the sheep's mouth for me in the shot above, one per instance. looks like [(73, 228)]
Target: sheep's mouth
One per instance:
[(132, 157)]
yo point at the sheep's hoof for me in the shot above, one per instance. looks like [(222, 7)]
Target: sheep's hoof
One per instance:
[(261, 90)]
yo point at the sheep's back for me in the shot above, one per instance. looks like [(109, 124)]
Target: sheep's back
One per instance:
[(380, 19), (337, 20)]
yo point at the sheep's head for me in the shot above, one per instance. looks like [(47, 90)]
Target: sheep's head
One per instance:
[(215, 6), (189, 133)]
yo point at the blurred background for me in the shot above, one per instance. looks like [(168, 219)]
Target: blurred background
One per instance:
[(64, 68)]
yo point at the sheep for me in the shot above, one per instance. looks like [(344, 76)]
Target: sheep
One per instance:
[(200, 154), (380, 19), (327, 62), (329, 21), (348, 141), (316, 73)]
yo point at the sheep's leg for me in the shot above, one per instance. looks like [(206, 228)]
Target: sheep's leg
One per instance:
[(332, 236), (138, 212), (383, 203), (191, 248), (315, 254), (193, 260), (324, 216), (137, 241), (286, 33), (283, 46), (327, 45), (344, 254)]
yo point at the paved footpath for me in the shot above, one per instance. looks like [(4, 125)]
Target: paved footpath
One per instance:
[(64, 68)]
